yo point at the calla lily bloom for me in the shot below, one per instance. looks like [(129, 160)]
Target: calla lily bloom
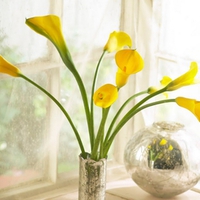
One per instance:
[(50, 27), (121, 78), (105, 96), (129, 61), (164, 82), (186, 79), (190, 104), (117, 40), (7, 68)]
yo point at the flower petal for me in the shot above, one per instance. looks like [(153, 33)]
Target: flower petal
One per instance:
[(121, 78), (105, 96), (165, 80), (190, 104), (129, 61), (50, 27), (117, 40), (7, 68), (184, 80)]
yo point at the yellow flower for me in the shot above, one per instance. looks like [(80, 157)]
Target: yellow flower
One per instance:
[(163, 142), (185, 79), (117, 40), (129, 61), (50, 27), (153, 89), (121, 78), (165, 80), (105, 96), (8, 68), (191, 104)]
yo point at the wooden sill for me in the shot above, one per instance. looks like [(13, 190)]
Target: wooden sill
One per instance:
[(119, 187), (124, 189)]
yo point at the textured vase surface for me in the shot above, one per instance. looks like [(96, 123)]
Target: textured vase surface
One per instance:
[(162, 159), (92, 179)]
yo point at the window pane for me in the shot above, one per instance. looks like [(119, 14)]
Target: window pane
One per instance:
[(23, 121), (180, 28), (179, 37), (172, 111), (87, 24), (177, 44), (18, 43), (87, 27)]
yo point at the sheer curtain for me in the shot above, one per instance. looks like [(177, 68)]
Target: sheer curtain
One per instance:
[(36, 142), (166, 35), (137, 17)]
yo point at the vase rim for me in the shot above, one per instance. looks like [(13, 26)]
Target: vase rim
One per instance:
[(88, 157)]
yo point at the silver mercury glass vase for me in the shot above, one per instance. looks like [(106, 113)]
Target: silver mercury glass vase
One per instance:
[(92, 179)]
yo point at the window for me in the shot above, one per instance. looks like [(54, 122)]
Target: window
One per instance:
[(38, 150), (37, 146), (168, 50), (24, 123), (178, 45)]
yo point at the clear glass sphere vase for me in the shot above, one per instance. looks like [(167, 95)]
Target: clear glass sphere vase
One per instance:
[(162, 159)]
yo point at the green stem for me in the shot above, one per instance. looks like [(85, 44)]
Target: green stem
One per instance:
[(84, 98), (70, 65), (92, 137), (100, 135), (61, 108), (129, 116), (119, 112)]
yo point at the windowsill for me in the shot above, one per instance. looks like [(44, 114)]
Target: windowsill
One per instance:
[(119, 187), (124, 189)]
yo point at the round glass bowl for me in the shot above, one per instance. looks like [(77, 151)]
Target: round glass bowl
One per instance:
[(162, 159)]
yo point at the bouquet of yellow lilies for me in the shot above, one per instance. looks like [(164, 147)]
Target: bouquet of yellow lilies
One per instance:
[(128, 61)]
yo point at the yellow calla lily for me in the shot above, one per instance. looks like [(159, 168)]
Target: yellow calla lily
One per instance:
[(186, 79), (165, 81), (117, 40), (129, 61), (50, 27), (7, 68), (105, 96), (190, 104), (121, 78)]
